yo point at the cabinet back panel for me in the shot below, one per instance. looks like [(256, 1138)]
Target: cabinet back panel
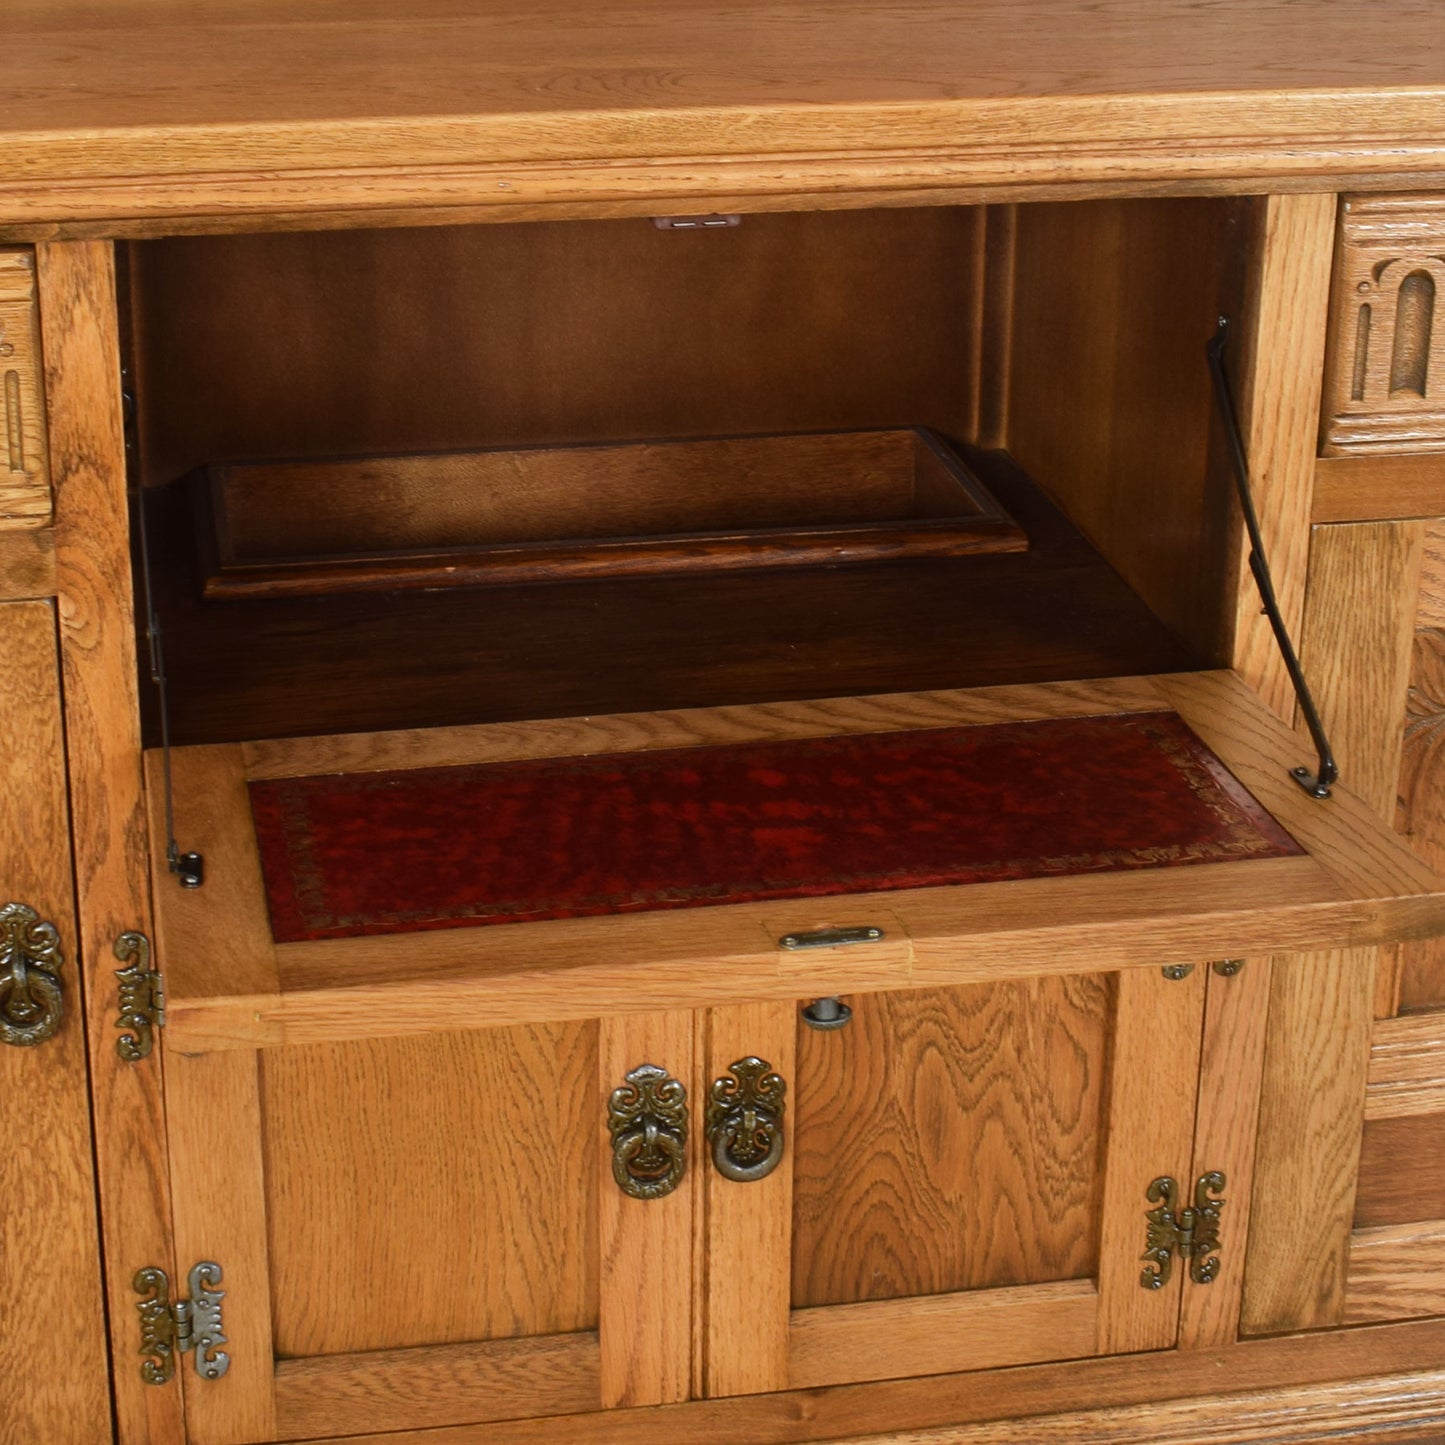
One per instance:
[(359, 342), (431, 1190), (949, 1139), (1422, 774)]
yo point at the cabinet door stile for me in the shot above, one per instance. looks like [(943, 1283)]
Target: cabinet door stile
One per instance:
[(749, 1224), (645, 1246), (1154, 1071), (213, 1113), (1236, 1019)]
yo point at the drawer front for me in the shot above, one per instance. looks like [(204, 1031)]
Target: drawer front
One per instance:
[(24, 462)]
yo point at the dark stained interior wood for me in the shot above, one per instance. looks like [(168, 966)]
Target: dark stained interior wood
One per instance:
[(254, 669), (403, 1210), (1402, 1171), (949, 1139), (362, 342), (1109, 405)]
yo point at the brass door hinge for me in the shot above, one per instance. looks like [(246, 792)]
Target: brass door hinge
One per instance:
[(142, 998), (1191, 1233), (190, 1326)]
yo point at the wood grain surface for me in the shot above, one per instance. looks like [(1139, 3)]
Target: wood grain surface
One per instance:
[(1280, 339), (1356, 648), (27, 562), (1407, 1066), (412, 1390), (1378, 488), (25, 499), (48, 1241), (462, 104), (646, 1278), (1402, 1170), (450, 1178), (1421, 815), (949, 1140), (1311, 1114), (970, 1330), (1108, 395), (102, 730), (1397, 1272)]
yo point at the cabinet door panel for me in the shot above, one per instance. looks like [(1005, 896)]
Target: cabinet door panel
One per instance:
[(964, 1182), (409, 1228)]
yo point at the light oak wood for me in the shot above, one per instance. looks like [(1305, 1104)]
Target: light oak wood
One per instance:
[(412, 1390), (1282, 340), (213, 1125), (338, 1121), (969, 1330), (1373, 488), (748, 1226), (48, 1239), (1421, 816), (1311, 1115), (1153, 1073), (27, 562), (25, 499), (75, 284), (1407, 1067), (1387, 346), (1396, 1273), (1233, 94), (1356, 649), (948, 1140), (646, 1245), (1231, 1068)]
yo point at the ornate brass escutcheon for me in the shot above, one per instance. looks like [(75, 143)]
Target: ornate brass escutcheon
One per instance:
[(745, 1120), (30, 999), (193, 1325), (1192, 1233), (142, 999), (647, 1118)]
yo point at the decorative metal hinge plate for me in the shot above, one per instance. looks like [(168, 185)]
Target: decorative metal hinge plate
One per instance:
[(745, 1120), (190, 1326), (31, 1004), (1192, 1234), (142, 998), (647, 1119)]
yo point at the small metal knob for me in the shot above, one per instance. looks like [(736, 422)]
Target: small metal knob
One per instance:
[(826, 1014), (745, 1120)]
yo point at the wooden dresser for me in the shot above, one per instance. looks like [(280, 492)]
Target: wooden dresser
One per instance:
[(1098, 1142)]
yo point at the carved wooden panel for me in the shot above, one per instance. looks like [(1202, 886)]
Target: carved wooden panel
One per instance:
[(1421, 815), (949, 1139), (1385, 373), (24, 464)]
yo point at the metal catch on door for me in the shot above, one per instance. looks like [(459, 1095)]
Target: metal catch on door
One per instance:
[(31, 1005), (745, 1120), (1191, 1233), (647, 1118)]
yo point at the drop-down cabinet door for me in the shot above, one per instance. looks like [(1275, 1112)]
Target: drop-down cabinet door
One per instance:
[(971, 1177), (389, 1233)]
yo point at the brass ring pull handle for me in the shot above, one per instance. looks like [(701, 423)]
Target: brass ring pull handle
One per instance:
[(31, 1005), (745, 1120), (647, 1119)]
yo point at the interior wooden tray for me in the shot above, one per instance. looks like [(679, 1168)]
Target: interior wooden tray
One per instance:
[(231, 982), (270, 529)]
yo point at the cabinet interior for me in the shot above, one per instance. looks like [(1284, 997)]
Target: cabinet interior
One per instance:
[(1059, 346)]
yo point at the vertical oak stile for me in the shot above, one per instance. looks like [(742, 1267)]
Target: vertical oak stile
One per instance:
[(1312, 1106), (48, 1247), (1283, 347), (1154, 1073), (645, 1246), (76, 284), (747, 1298), (213, 1116), (1236, 1016)]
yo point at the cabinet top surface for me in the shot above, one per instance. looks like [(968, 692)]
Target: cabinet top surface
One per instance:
[(125, 90)]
